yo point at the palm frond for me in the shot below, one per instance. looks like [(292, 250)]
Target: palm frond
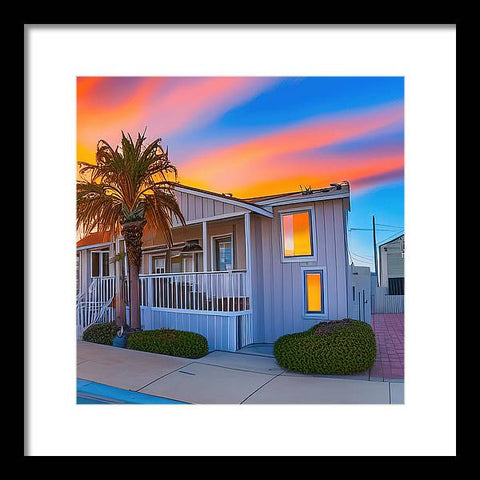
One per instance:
[(132, 182)]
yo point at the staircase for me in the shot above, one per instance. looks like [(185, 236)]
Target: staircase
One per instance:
[(94, 305)]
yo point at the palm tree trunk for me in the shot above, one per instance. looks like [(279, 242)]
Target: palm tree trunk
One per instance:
[(135, 322), (132, 233)]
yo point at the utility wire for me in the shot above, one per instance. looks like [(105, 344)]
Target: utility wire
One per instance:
[(393, 226), (377, 229), (361, 256), (389, 238)]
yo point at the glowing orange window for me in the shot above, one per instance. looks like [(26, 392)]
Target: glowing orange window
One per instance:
[(313, 292), (297, 236)]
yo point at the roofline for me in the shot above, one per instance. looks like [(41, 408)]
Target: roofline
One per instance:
[(392, 240), (86, 247), (304, 199), (316, 195), (230, 200)]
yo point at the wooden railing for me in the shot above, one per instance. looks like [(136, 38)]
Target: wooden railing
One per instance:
[(196, 291)]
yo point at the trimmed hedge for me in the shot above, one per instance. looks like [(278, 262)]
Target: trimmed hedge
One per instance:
[(103, 333), (177, 343), (329, 348)]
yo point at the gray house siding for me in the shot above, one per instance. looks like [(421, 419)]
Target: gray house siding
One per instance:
[(281, 310), (277, 286), (194, 207)]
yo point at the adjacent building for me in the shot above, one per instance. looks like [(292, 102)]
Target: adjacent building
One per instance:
[(391, 260)]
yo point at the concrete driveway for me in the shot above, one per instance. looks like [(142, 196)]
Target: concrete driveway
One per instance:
[(226, 378)]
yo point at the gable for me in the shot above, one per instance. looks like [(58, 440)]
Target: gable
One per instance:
[(200, 205)]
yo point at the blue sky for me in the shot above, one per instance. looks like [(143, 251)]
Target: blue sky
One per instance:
[(256, 136)]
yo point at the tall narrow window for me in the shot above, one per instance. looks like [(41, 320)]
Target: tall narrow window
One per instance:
[(95, 264), (100, 263), (297, 234), (314, 296), (105, 264), (199, 262), (223, 253), (176, 264)]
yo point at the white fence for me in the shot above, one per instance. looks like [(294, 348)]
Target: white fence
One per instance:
[(93, 306), (384, 303), (196, 291)]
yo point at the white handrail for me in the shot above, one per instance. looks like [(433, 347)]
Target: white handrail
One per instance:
[(92, 306)]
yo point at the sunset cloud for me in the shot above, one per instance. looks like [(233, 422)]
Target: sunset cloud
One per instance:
[(279, 161), (255, 136), (156, 102)]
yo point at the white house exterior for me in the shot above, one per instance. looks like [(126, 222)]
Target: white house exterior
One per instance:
[(360, 293), (391, 265), (240, 271)]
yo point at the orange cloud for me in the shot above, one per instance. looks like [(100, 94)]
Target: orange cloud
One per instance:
[(317, 174), (95, 122), (86, 84), (203, 101), (232, 168), (164, 111)]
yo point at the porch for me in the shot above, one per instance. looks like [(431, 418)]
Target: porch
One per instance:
[(200, 283), (214, 304)]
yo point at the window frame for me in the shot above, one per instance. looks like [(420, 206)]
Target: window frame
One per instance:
[(323, 278), (313, 235), (100, 263), (213, 248), (153, 257)]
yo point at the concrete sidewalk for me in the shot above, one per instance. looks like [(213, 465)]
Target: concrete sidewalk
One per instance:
[(226, 378)]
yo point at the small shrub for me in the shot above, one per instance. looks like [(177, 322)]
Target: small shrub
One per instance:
[(177, 343), (328, 348), (103, 333)]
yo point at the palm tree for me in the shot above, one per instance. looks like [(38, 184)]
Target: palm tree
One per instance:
[(128, 188)]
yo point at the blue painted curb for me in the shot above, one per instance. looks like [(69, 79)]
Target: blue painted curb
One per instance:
[(107, 394)]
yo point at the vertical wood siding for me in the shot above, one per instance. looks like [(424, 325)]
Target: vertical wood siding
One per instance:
[(281, 284), (195, 207), (221, 331)]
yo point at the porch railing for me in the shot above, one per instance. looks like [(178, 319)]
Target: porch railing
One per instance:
[(93, 305), (198, 291)]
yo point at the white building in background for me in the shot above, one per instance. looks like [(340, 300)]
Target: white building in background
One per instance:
[(391, 265)]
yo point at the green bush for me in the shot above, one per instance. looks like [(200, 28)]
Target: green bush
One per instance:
[(103, 333), (339, 347), (169, 342)]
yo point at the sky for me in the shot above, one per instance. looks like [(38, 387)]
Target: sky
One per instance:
[(253, 136)]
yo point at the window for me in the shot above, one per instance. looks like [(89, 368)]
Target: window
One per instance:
[(188, 262), (396, 286), (297, 238), (198, 261), (158, 264), (314, 292), (176, 264), (223, 253), (100, 263)]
